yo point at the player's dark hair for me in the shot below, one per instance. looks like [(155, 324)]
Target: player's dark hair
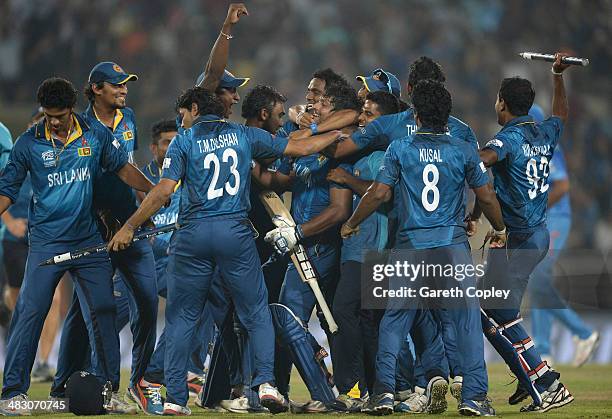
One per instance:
[(343, 97), (258, 98), (403, 105), (425, 68), (56, 92), (517, 94), (161, 126), (386, 102), (331, 78), (88, 91), (207, 102), (432, 104)]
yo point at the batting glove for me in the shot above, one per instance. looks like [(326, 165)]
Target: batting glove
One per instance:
[(284, 239)]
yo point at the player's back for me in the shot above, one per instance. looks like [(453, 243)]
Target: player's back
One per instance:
[(524, 150), (213, 159), (434, 170)]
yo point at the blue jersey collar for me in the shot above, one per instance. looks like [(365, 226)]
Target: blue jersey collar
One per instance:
[(429, 131), (525, 119), (39, 128), (154, 169), (208, 118)]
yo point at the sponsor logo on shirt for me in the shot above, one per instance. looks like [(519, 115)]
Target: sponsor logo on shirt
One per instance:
[(48, 158), (495, 143), (116, 143)]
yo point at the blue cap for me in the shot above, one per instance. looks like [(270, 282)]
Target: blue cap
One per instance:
[(537, 113), (228, 80), (109, 72), (382, 80)]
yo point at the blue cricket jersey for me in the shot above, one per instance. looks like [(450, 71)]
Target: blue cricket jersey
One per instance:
[(558, 171), (110, 191), (213, 161), (379, 133), (165, 215), (6, 144), (373, 231), (432, 170), (61, 213), (19, 209), (524, 150)]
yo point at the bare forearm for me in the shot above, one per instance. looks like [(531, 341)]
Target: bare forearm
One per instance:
[(359, 186), (368, 204), (492, 211), (133, 177), (151, 204), (316, 143), (560, 107), (5, 202), (217, 61), (328, 218), (557, 191)]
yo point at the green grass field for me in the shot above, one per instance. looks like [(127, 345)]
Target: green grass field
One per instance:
[(591, 386)]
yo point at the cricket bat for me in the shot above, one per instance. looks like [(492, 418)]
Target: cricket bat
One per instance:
[(280, 217)]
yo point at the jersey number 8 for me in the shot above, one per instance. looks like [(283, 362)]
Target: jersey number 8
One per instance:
[(430, 186), (211, 158), (534, 178)]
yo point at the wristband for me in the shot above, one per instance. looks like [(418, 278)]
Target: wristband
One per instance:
[(299, 233), (499, 233), (130, 226), (552, 70), (314, 128), (228, 37)]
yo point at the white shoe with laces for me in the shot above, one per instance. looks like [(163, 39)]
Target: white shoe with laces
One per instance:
[(585, 348)]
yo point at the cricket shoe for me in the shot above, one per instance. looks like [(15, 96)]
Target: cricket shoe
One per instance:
[(171, 409), (519, 395), (271, 399), (476, 408), (436, 395), (402, 395), (148, 397), (15, 406), (415, 403), (380, 405), (455, 388), (241, 405), (195, 383), (117, 406), (556, 396), (350, 404), (585, 348)]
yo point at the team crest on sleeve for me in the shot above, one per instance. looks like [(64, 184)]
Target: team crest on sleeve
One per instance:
[(166, 163), (495, 143), (128, 135), (48, 158), (84, 151)]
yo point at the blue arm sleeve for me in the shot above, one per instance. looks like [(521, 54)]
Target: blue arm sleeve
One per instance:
[(475, 170), (15, 172), (175, 163), (369, 135), (501, 145), (114, 156), (553, 128), (264, 145), (389, 172)]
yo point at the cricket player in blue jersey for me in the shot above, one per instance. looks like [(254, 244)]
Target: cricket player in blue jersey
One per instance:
[(358, 328), (431, 168), (519, 156), (547, 304), (318, 207), (114, 202), (212, 159), (63, 155)]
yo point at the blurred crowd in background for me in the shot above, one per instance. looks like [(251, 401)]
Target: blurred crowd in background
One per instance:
[(283, 41)]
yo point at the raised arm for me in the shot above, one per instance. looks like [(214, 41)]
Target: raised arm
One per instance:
[(217, 61), (560, 107)]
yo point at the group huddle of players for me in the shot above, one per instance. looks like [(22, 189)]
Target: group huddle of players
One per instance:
[(366, 171)]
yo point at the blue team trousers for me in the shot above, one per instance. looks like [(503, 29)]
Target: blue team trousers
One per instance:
[(546, 302), (93, 285), (225, 243), (137, 266), (511, 268)]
